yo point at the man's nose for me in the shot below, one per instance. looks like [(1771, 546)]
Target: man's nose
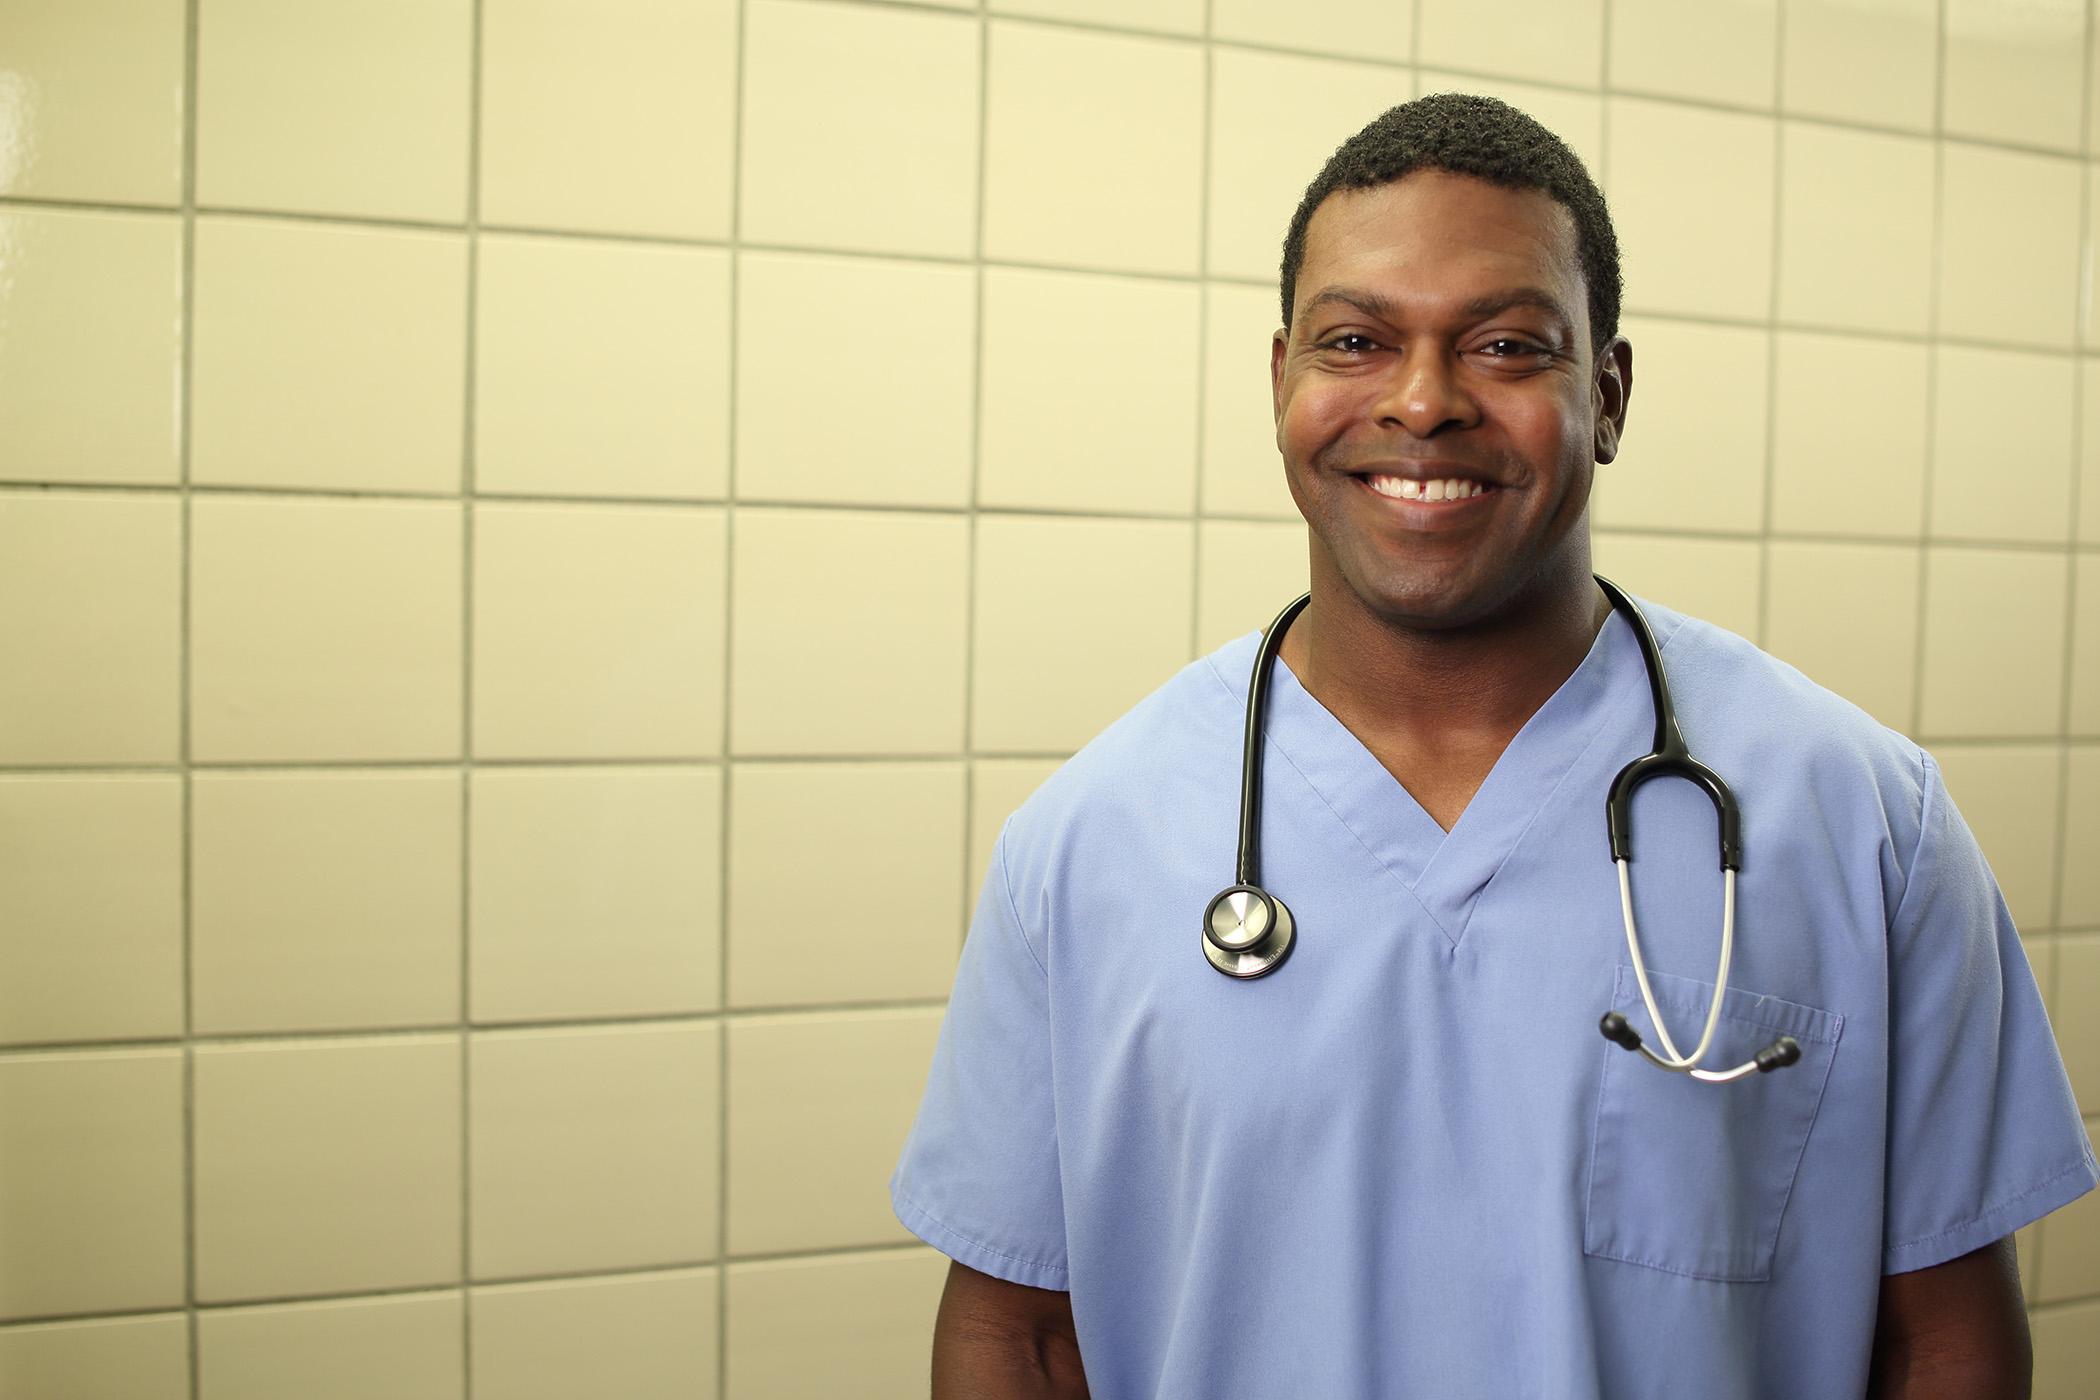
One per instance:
[(1423, 395)]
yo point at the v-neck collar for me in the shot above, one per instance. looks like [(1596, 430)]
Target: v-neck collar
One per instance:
[(1446, 871)]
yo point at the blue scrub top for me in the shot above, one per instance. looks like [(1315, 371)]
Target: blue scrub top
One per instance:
[(1406, 1163)]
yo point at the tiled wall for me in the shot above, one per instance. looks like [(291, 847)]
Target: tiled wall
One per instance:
[(539, 541)]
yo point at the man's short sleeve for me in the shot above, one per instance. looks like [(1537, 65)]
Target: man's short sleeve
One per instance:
[(978, 1179), (1984, 1135)]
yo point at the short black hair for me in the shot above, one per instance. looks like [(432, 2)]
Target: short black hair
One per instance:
[(1466, 134)]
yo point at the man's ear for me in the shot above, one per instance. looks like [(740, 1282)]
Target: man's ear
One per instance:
[(1609, 393), (1278, 343)]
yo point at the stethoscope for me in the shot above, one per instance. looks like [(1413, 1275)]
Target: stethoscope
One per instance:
[(1248, 932)]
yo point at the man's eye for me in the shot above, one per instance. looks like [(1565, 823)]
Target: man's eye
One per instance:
[(1350, 344), (1506, 348)]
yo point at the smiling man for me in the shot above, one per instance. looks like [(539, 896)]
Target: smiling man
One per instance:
[(1388, 1153)]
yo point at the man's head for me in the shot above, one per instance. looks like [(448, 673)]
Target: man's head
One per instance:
[(1465, 134), (1443, 383)]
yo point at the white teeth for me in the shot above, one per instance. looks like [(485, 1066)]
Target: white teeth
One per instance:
[(1443, 489)]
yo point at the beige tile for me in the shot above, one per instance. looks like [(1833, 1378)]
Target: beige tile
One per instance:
[(594, 1148), (328, 356), (1242, 471), (1847, 615), (2070, 1265), (2008, 245), (860, 128), (1994, 637), (1849, 436), (1855, 233), (851, 1324), (1558, 41), (1717, 580), (1089, 392), (2013, 71), (1694, 452), (1113, 182), (885, 920), (2074, 1014), (601, 369), (1062, 648), (2089, 452), (1246, 571), (98, 110), (286, 117), (1691, 193), (90, 362), (2008, 795), (597, 631), (91, 1231), (595, 892), (649, 1337), (1865, 63), (614, 117), (997, 787), (2085, 645), (896, 629), (2078, 900), (90, 597), (1167, 16), (2066, 1351), (324, 629), (1714, 53), (1575, 117), (124, 1358), (898, 364), (324, 901), (327, 1166), (1274, 120), (1354, 28), (818, 1108), (408, 1347), (2003, 456)]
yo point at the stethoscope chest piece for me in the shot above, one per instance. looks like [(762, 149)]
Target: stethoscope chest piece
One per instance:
[(1247, 931)]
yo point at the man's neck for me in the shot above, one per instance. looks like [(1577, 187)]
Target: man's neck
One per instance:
[(1438, 706)]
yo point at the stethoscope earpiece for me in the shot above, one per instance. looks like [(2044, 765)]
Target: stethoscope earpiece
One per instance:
[(1247, 931)]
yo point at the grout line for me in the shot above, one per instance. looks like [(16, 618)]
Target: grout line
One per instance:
[(1775, 267), (439, 1029), (972, 509), (186, 372), (1921, 632), (1200, 438), (723, 931), (469, 476)]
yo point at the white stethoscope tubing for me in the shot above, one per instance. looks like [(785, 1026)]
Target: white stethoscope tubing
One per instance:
[(1671, 1059)]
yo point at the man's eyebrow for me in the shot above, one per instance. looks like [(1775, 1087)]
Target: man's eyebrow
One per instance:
[(1495, 303)]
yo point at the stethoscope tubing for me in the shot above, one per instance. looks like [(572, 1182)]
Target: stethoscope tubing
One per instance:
[(1248, 932)]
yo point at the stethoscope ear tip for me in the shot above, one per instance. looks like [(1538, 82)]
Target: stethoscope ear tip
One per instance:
[(1779, 1054), (1619, 1031)]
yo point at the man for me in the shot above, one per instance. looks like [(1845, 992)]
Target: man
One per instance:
[(1404, 1163)]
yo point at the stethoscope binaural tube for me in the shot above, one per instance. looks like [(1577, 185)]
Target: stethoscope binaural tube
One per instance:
[(1248, 932)]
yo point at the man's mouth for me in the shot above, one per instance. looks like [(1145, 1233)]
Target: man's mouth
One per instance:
[(1406, 488)]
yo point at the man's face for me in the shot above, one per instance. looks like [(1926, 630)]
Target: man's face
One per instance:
[(1438, 406)]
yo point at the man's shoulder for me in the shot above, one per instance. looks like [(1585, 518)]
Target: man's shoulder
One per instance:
[(1156, 754), (1735, 698)]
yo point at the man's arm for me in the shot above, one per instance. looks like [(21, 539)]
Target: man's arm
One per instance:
[(995, 1340), (1954, 1331)]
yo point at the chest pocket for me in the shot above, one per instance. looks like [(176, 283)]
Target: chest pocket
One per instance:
[(1693, 1178)]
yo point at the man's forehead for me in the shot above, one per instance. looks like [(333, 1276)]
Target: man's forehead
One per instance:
[(1450, 218)]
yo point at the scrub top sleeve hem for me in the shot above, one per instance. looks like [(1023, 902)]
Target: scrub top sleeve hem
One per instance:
[(981, 1257), (1994, 1224)]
